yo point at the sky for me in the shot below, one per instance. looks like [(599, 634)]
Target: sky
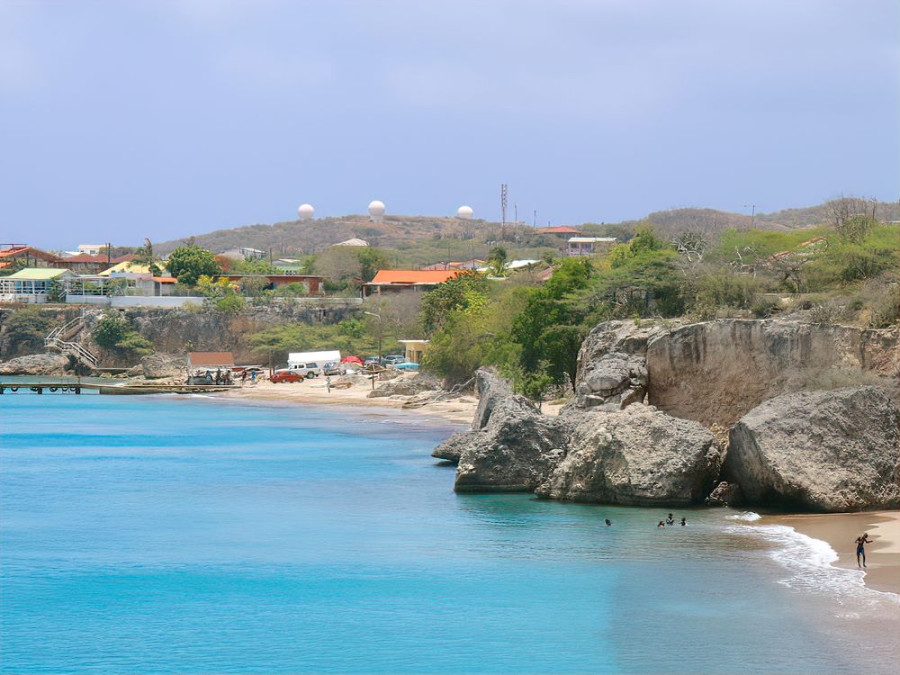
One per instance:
[(164, 119)]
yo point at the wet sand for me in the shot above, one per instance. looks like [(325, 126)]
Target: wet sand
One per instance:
[(840, 530)]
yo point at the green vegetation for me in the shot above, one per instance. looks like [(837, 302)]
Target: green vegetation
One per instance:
[(189, 263), (116, 334), (26, 328)]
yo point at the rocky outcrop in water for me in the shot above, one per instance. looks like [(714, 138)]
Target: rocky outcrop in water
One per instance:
[(511, 448), (819, 451), (638, 456), (36, 364), (715, 372)]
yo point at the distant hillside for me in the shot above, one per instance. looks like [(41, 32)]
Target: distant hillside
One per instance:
[(294, 238)]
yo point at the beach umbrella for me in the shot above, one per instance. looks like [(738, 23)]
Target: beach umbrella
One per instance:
[(352, 359)]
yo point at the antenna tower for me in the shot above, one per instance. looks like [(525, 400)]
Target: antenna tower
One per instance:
[(503, 191)]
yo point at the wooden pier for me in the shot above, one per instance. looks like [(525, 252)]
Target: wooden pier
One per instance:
[(69, 387)]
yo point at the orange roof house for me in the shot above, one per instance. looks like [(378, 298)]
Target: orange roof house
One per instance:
[(393, 280), (29, 256), (210, 360)]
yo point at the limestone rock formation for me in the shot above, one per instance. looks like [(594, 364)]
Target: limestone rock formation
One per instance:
[(159, 365), (36, 364), (612, 370), (406, 386), (715, 372), (725, 494), (637, 456), (819, 451), (512, 446)]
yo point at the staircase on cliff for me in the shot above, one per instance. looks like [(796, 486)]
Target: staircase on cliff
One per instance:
[(61, 339)]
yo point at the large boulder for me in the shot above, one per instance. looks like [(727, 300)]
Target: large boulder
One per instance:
[(407, 385), (36, 364), (515, 452), (157, 366), (511, 448), (819, 451), (638, 456)]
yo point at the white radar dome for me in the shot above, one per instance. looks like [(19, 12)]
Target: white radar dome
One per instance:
[(306, 212), (464, 212), (376, 208)]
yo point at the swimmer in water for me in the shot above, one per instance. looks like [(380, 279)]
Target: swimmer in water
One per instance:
[(661, 524), (608, 522), (683, 522), (670, 520), (861, 548)]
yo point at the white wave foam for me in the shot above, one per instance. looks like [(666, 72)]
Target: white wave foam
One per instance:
[(810, 561), (748, 516)]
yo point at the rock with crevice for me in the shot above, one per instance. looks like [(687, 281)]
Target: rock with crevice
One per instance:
[(831, 451), (637, 456)]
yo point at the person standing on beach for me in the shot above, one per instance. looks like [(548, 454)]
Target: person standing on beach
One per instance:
[(861, 548)]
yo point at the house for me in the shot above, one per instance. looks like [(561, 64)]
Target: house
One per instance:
[(35, 284), (562, 229), (589, 245), (312, 282), (414, 349), (210, 360), (21, 255), (473, 264), (244, 253), (398, 280), (84, 263)]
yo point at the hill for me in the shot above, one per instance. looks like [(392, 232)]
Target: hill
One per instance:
[(421, 239)]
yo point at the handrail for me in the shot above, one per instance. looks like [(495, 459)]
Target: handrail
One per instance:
[(69, 329)]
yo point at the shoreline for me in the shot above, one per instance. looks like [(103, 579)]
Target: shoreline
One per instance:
[(840, 530)]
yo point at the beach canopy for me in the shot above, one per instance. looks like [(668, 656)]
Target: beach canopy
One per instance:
[(352, 359)]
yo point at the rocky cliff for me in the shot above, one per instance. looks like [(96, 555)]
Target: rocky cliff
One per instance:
[(716, 372)]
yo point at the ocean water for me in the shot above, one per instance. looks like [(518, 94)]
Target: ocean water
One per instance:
[(173, 534)]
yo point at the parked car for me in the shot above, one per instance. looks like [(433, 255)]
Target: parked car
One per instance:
[(286, 375), (394, 358), (406, 365), (307, 370), (373, 361), (333, 368)]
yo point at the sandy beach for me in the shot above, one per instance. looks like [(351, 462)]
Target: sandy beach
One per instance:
[(840, 530), (459, 410)]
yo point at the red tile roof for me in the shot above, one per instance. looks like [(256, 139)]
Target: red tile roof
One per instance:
[(414, 276), (562, 229), (209, 359)]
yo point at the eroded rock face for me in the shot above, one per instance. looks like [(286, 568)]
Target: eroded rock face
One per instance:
[(819, 451), (637, 456), (715, 372), (159, 365), (612, 370), (491, 389), (36, 364)]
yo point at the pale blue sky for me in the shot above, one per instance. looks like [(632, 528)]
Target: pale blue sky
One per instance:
[(124, 120)]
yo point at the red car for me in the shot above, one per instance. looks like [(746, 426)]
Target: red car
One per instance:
[(286, 376)]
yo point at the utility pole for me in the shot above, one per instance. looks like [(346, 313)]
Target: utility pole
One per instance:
[(752, 208), (534, 219)]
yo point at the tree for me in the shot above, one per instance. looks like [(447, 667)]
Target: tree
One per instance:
[(143, 255), (464, 292), (114, 333), (189, 263), (497, 261)]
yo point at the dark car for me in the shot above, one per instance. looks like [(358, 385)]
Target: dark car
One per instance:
[(333, 368), (286, 376)]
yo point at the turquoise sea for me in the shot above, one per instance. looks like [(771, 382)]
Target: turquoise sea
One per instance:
[(172, 534)]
